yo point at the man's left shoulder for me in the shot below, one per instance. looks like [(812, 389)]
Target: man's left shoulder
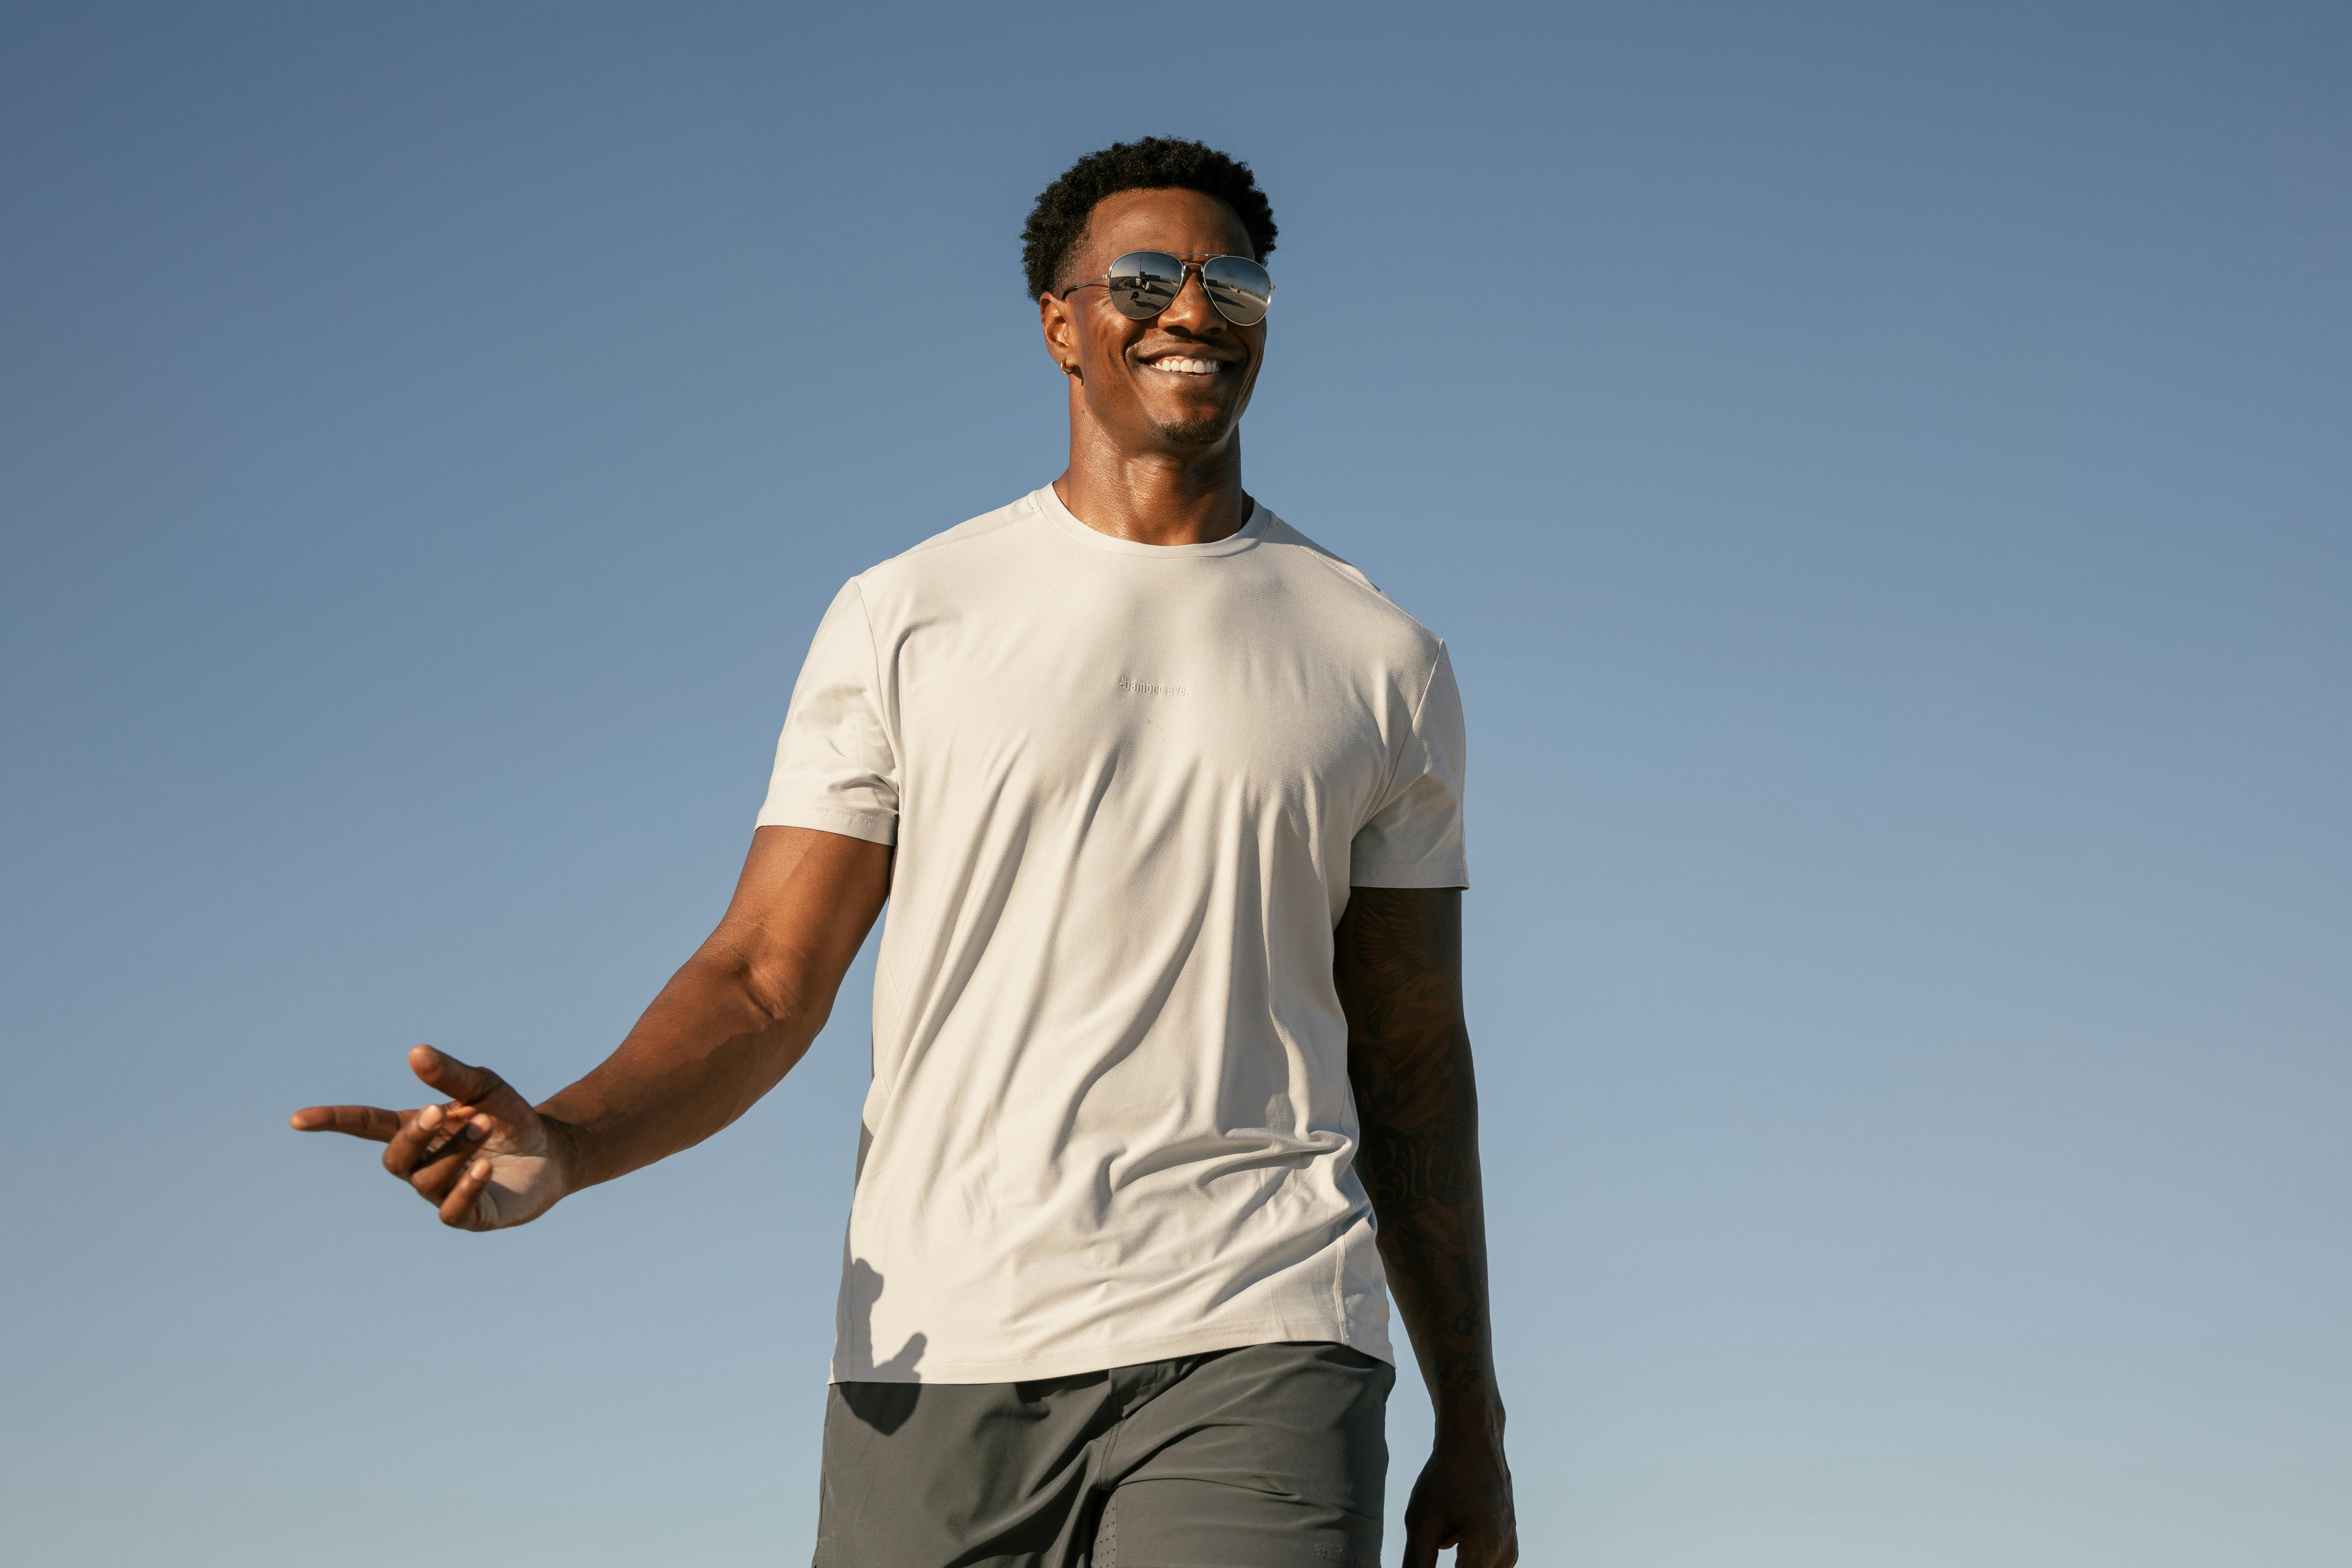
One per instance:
[(1367, 609)]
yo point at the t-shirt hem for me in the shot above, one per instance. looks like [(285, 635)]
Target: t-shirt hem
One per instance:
[(1099, 1357), (874, 827)]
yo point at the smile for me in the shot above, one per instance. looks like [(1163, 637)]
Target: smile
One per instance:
[(1180, 364)]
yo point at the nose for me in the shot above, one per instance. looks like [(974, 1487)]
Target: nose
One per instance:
[(1190, 310)]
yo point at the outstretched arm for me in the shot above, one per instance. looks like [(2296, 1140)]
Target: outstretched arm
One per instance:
[(1399, 971), (729, 1024)]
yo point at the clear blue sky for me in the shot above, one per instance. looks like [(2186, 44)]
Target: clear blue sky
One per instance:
[(1882, 472)]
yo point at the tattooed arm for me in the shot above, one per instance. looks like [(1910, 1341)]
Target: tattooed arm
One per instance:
[(1399, 970)]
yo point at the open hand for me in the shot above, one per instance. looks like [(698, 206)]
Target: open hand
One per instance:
[(484, 1158)]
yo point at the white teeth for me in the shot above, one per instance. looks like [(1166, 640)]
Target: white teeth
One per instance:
[(1187, 367)]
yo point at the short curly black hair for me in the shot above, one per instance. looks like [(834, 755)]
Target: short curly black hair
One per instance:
[(1153, 163)]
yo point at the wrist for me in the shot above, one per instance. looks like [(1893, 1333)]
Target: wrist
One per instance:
[(1471, 1414), (565, 1153)]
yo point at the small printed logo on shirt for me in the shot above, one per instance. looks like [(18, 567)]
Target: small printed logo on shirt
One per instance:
[(1145, 689)]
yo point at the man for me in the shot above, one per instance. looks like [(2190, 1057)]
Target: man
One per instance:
[(1166, 804)]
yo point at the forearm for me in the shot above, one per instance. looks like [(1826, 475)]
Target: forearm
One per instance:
[(712, 1043), (1397, 966), (735, 1018), (1421, 1166)]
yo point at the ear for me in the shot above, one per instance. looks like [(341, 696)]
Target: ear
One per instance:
[(1061, 330)]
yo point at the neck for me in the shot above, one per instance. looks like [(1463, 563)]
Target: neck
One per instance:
[(1155, 497)]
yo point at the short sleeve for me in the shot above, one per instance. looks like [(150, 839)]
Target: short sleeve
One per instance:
[(836, 770), (1414, 840)]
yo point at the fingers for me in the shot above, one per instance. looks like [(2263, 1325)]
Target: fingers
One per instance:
[(1477, 1542), (438, 1151), (453, 1078), (468, 1087), (1481, 1550), (359, 1121), (405, 1148), (433, 1179), (421, 1153), (1423, 1541), (463, 1207)]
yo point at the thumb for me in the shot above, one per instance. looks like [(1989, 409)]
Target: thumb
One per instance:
[(468, 1085)]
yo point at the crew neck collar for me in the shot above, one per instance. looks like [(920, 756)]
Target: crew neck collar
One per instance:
[(1252, 531)]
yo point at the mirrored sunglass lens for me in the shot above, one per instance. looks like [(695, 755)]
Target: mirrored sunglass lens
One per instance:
[(1145, 282), (1239, 288)]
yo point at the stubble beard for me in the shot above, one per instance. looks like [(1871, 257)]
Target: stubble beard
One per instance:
[(1206, 430)]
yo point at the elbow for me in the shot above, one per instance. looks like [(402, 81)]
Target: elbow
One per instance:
[(786, 1003), (777, 991)]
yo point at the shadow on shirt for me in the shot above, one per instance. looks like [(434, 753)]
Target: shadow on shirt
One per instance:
[(885, 1406)]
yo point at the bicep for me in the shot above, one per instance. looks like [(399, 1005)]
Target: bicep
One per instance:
[(1399, 971), (1397, 962)]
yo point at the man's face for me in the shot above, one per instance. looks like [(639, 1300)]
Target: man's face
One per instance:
[(1176, 384)]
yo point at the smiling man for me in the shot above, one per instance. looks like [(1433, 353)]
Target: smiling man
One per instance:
[(1171, 1088)]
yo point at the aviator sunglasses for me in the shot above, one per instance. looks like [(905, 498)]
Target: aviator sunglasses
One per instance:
[(1143, 283)]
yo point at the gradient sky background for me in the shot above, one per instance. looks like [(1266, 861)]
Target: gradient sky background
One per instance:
[(1882, 472)]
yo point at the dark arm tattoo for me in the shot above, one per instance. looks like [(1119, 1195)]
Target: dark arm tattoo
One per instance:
[(1397, 966)]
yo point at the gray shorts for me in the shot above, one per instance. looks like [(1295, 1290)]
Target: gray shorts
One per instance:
[(1266, 1455)]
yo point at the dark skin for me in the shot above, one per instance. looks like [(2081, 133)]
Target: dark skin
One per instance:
[(1155, 451), (1155, 456), (727, 1027), (1397, 961)]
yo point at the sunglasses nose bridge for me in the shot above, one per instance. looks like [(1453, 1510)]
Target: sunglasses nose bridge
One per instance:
[(1195, 286)]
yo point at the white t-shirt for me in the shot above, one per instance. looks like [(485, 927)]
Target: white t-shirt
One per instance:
[(1129, 785)]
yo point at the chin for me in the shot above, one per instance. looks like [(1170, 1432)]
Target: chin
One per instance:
[(1194, 431)]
